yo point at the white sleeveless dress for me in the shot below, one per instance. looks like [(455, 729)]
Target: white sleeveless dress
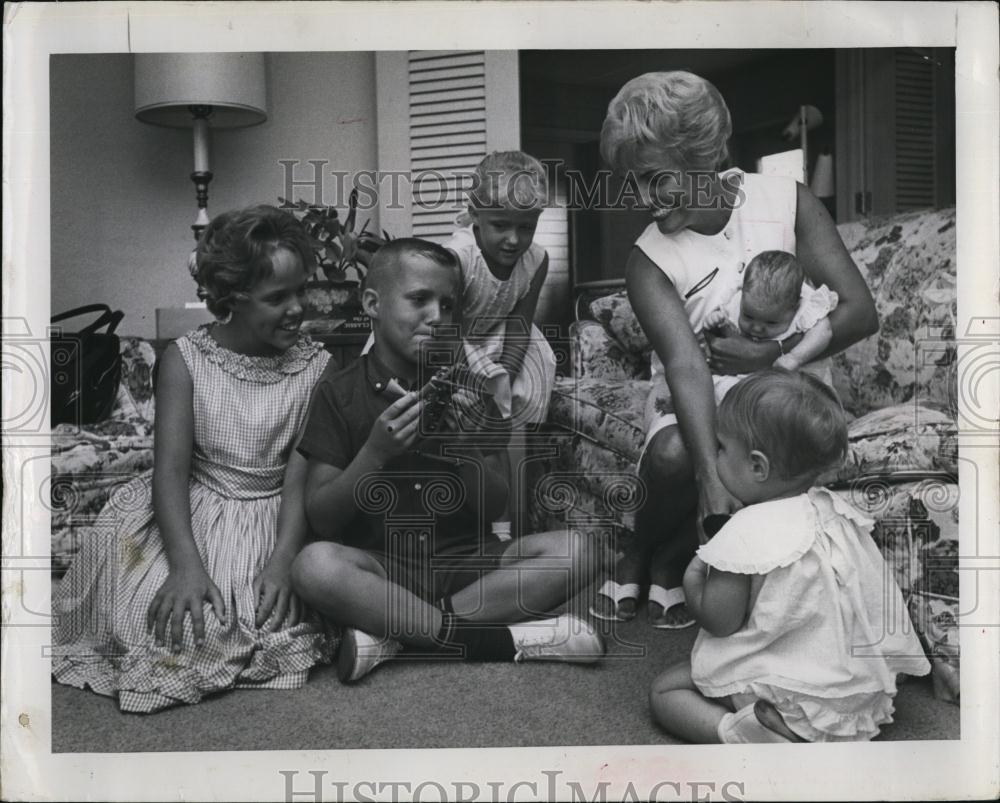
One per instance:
[(707, 270)]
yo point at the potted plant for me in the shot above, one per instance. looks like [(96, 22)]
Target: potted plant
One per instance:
[(333, 295)]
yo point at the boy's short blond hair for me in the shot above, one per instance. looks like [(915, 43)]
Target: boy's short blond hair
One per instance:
[(509, 180), (661, 120), (390, 259)]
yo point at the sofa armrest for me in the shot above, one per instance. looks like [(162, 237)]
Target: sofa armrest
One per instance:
[(135, 389)]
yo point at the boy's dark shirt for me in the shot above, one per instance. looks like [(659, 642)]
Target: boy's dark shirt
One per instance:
[(345, 405)]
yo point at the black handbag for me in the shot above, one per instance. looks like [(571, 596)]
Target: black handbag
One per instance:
[(86, 367)]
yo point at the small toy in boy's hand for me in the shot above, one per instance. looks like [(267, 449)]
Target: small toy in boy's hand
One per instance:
[(714, 522), (436, 396)]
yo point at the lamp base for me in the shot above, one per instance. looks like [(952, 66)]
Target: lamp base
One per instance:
[(201, 180)]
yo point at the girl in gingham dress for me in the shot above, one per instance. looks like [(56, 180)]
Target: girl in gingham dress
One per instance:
[(184, 588)]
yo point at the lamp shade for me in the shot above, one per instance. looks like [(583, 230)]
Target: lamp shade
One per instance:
[(232, 84)]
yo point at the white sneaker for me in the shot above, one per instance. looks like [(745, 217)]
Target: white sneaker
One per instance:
[(564, 638), (360, 653)]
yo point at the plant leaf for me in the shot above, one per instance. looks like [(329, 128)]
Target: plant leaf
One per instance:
[(352, 210)]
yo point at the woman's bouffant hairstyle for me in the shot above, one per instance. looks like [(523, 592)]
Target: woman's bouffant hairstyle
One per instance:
[(776, 276), (666, 119), (235, 252), (509, 180), (791, 417)]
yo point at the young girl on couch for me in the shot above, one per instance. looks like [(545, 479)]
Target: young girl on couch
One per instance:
[(503, 271), (803, 628), (184, 589), (669, 132)]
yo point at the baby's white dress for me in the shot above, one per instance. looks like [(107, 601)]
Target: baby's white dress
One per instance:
[(827, 630), (815, 303)]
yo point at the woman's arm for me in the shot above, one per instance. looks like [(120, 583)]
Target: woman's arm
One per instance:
[(273, 586), (514, 349), (718, 600), (825, 260), (187, 585), (661, 314)]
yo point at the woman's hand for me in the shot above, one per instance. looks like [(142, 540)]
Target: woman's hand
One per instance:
[(277, 604), (714, 499), (735, 354), (185, 591)]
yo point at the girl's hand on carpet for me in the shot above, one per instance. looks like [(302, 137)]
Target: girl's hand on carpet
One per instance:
[(277, 605), (185, 591)]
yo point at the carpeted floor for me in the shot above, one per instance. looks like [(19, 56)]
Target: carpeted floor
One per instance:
[(433, 704)]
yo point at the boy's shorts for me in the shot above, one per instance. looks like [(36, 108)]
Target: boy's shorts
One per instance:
[(433, 577)]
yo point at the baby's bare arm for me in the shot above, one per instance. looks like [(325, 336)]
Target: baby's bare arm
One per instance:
[(812, 345)]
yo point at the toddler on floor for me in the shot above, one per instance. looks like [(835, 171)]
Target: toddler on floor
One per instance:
[(803, 628)]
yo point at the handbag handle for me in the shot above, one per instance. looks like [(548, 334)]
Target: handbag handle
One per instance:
[(106, 318)]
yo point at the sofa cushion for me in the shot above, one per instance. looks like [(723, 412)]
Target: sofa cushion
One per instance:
[(596, 354), (899, 440), (89, 462), (585, 482), (916, 529), (606, 412), (615, 312), (135, 391), (908, 262)]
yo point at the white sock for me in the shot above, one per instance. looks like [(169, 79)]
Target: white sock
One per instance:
[(743, 727), (501, 529)]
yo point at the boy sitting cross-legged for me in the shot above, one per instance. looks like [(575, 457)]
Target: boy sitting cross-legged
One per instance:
[(404, 560)]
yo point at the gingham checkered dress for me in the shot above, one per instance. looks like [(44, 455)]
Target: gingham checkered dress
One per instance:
[(247, 412)]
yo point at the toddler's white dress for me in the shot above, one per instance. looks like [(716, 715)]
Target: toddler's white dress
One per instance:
[(247, 413), (827, 630)]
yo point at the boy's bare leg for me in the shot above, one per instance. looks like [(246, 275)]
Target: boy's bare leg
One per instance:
[(538, 573), (348, 586), (681, 710)]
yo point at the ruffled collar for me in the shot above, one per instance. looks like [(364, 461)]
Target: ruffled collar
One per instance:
[(771, 535), (267, 370)]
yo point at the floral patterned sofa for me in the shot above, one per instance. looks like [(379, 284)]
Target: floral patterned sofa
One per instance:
[(89, 462), (898, 386)]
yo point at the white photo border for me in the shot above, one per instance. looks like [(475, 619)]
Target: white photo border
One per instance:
[(965, 768)]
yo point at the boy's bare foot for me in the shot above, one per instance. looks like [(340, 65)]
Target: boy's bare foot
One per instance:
[(769, 717), (666, 609)]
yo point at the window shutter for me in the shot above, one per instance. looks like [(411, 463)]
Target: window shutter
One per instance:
[(439, 114), (447, 134), (914, 98)]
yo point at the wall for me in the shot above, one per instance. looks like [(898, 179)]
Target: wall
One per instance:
[(122, 202)]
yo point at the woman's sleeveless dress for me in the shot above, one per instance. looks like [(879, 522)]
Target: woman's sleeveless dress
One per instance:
[(707, 269)]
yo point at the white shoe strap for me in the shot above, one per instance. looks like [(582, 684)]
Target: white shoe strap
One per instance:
[(666, 597), (619, 591)]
